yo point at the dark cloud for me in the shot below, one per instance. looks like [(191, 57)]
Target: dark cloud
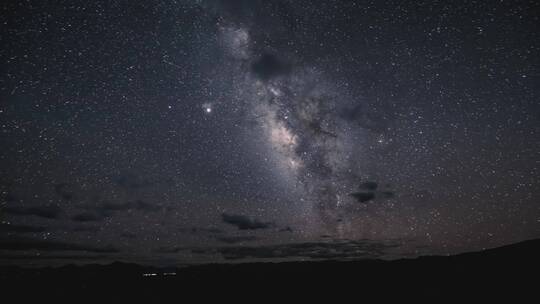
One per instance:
[(245, 223), (133, 205), (371, 186), (363, 197), (318, 130), (365, 119), (370, 192), (19, 243), (286, 229), (47, 211), (20, 228), (194, 230), (62, 191), (51, 257), (87, 217), (236, 239), (269, 66), (340, 249)]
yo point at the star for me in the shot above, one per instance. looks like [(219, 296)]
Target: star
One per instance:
[(207, 108)]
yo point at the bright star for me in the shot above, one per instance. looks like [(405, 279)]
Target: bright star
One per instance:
[(207, 107)]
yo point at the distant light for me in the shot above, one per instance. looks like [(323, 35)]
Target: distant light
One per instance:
[(169, 273), (149, 274), (208, 110)]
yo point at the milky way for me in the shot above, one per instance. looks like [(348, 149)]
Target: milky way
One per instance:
[(304, 118)]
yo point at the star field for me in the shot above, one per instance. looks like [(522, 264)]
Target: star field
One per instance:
[(178, 132)]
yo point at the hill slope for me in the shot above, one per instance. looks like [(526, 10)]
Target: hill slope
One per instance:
[(509, 271)]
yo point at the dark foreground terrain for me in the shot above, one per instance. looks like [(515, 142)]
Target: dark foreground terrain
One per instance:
[(505, 273)]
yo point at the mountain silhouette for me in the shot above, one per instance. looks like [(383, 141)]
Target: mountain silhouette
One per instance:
[(508, 272)]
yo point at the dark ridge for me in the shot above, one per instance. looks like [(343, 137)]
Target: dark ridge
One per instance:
[(506, 272)]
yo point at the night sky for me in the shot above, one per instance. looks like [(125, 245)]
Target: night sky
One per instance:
[(179, 132)]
